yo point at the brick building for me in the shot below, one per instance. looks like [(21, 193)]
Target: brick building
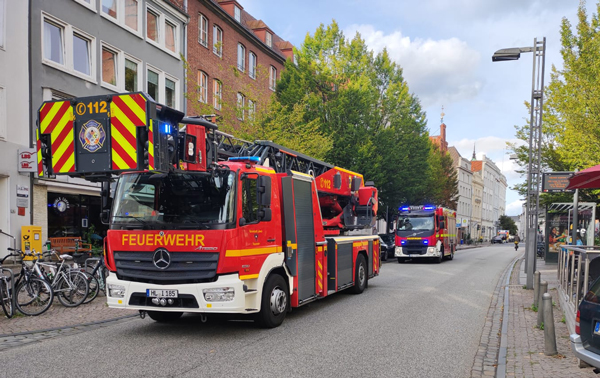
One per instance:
[(233, 59)]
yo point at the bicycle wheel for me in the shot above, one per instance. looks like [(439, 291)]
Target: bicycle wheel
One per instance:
[(6, 298), (73, 290), (33, 296), (94, 288)]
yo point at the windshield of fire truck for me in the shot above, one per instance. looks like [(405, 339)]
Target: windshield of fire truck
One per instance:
[(415, 223), (187, 200)]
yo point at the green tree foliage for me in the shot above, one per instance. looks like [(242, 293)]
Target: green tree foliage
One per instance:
[(360, 100), (443, 189), (571, 119), (507, 223)]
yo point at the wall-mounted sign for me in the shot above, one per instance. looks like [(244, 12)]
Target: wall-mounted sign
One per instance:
[(22, 196), (27, 160), (556, 182), (60, 205)]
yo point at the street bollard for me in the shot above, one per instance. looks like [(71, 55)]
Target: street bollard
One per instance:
[(543, 290), (549, 335), (536, 288)]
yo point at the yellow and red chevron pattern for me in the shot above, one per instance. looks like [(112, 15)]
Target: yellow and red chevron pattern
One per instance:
[(56, 119), (151, 146), (127, 112)]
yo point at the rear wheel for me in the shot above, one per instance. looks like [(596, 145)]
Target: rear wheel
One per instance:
[(451, 257), (360, 275), (94, 288), (164, 317), (33, 296), (73, 293), (274, 303), (6, 298)]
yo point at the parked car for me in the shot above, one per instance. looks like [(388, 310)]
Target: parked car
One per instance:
[(386, 245), (497, 239), (585, 342)]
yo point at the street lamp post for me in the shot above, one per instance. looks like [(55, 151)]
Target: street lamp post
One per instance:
[(535, 142)]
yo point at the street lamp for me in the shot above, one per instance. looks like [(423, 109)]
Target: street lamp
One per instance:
[(535, 142)]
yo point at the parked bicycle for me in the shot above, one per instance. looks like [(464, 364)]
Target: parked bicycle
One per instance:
[(70, 285), (33, 295), (7, 289), (97, 272)]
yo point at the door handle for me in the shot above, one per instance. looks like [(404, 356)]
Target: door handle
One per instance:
[(271, 240)]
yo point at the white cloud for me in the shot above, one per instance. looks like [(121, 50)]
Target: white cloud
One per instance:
[(515, 207), (437, 71)]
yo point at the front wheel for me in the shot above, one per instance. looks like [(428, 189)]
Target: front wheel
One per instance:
[(74, 290), (33, 296), (440, 258), (6, 299), (360, 275), (383, 255), (274, 303)]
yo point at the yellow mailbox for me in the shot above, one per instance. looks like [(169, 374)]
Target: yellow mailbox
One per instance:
[(31, 239)]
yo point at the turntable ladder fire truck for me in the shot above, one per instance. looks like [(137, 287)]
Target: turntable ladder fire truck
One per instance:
[(203, 222)]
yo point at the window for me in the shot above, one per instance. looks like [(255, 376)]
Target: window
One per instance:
[(240, 106), (67, 48), (81, 55), (109, 7), (170, 36), (237, 13), (249, 198), (131, 76), (217, 94), (153, 85), (252, 65), (251, 110), (53, 42), (202, 87), (90, 4), (203, 30), (272, 78), (169, 92), (241, 58), (131, 14), (217, 40), (152, 25), (109, 66), (269, 39)]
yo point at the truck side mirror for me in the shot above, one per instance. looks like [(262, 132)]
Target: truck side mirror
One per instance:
[(442, 225), (355, 185), (105, 216), (264, 191), (337, 181), (242, 222)]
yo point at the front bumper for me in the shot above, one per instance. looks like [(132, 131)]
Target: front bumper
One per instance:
[(427, 252), (190, 296), (583, 354)]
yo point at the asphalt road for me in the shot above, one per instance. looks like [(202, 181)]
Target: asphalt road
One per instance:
[(414, 320)]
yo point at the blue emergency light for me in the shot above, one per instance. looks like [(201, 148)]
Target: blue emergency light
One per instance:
[(405, 208), (165, 128), (428, 207), (425, 242), (252, 159), (402, 242)]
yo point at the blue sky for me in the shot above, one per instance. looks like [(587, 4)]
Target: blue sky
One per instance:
[(445, 49)]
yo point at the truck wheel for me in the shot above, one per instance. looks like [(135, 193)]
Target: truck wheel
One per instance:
[(274, 303), (164, 317), (441, 257), (360, 275), (383, 255), (451, 257)]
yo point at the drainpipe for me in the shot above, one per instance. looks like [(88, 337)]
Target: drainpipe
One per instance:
[(185, 54)]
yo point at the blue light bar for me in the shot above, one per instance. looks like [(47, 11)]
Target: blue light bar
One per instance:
[(165, 128), (253, 159), (429, 207), (405, 208)]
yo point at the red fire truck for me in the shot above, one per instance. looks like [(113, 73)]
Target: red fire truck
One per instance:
[(203, 222), (425, 232)]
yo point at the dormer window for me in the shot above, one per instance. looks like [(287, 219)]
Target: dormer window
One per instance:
[(269, 39), (237, 13)]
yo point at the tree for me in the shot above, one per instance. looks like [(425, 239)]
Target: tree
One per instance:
[(360, 100), (507, 223)]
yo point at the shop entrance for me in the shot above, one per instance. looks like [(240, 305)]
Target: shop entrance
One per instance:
[(75, 215)]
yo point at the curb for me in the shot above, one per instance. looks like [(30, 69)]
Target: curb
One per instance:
[(501, 367), (69, 327)]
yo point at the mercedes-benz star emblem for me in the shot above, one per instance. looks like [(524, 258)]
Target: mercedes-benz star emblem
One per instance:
[(161, 258)]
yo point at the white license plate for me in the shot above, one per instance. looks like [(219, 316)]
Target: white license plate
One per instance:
[(154, 293)]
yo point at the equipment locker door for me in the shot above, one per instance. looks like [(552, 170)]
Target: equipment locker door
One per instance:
[(299, 234)]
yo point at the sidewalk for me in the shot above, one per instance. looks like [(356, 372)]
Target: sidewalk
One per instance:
[(525, 343)]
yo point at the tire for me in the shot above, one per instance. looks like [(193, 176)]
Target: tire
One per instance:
[(441, 257), (164, 317), (451, 257), (361, 277), (94, 289), (72, 294), (6, 299), (383, 255), (274, 303), (33, 297)]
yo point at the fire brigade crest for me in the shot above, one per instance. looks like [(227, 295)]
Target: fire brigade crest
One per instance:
[(92, 136)]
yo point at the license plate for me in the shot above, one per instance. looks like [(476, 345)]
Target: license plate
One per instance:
[(597, 328), (153, 293)]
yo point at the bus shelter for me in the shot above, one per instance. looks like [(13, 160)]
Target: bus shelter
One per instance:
[(559, 219)]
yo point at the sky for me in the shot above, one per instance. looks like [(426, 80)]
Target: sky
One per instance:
[(444, 48)]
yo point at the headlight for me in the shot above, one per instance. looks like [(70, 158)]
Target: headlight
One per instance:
[(219, 294), (431, 250), (116, 291)]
